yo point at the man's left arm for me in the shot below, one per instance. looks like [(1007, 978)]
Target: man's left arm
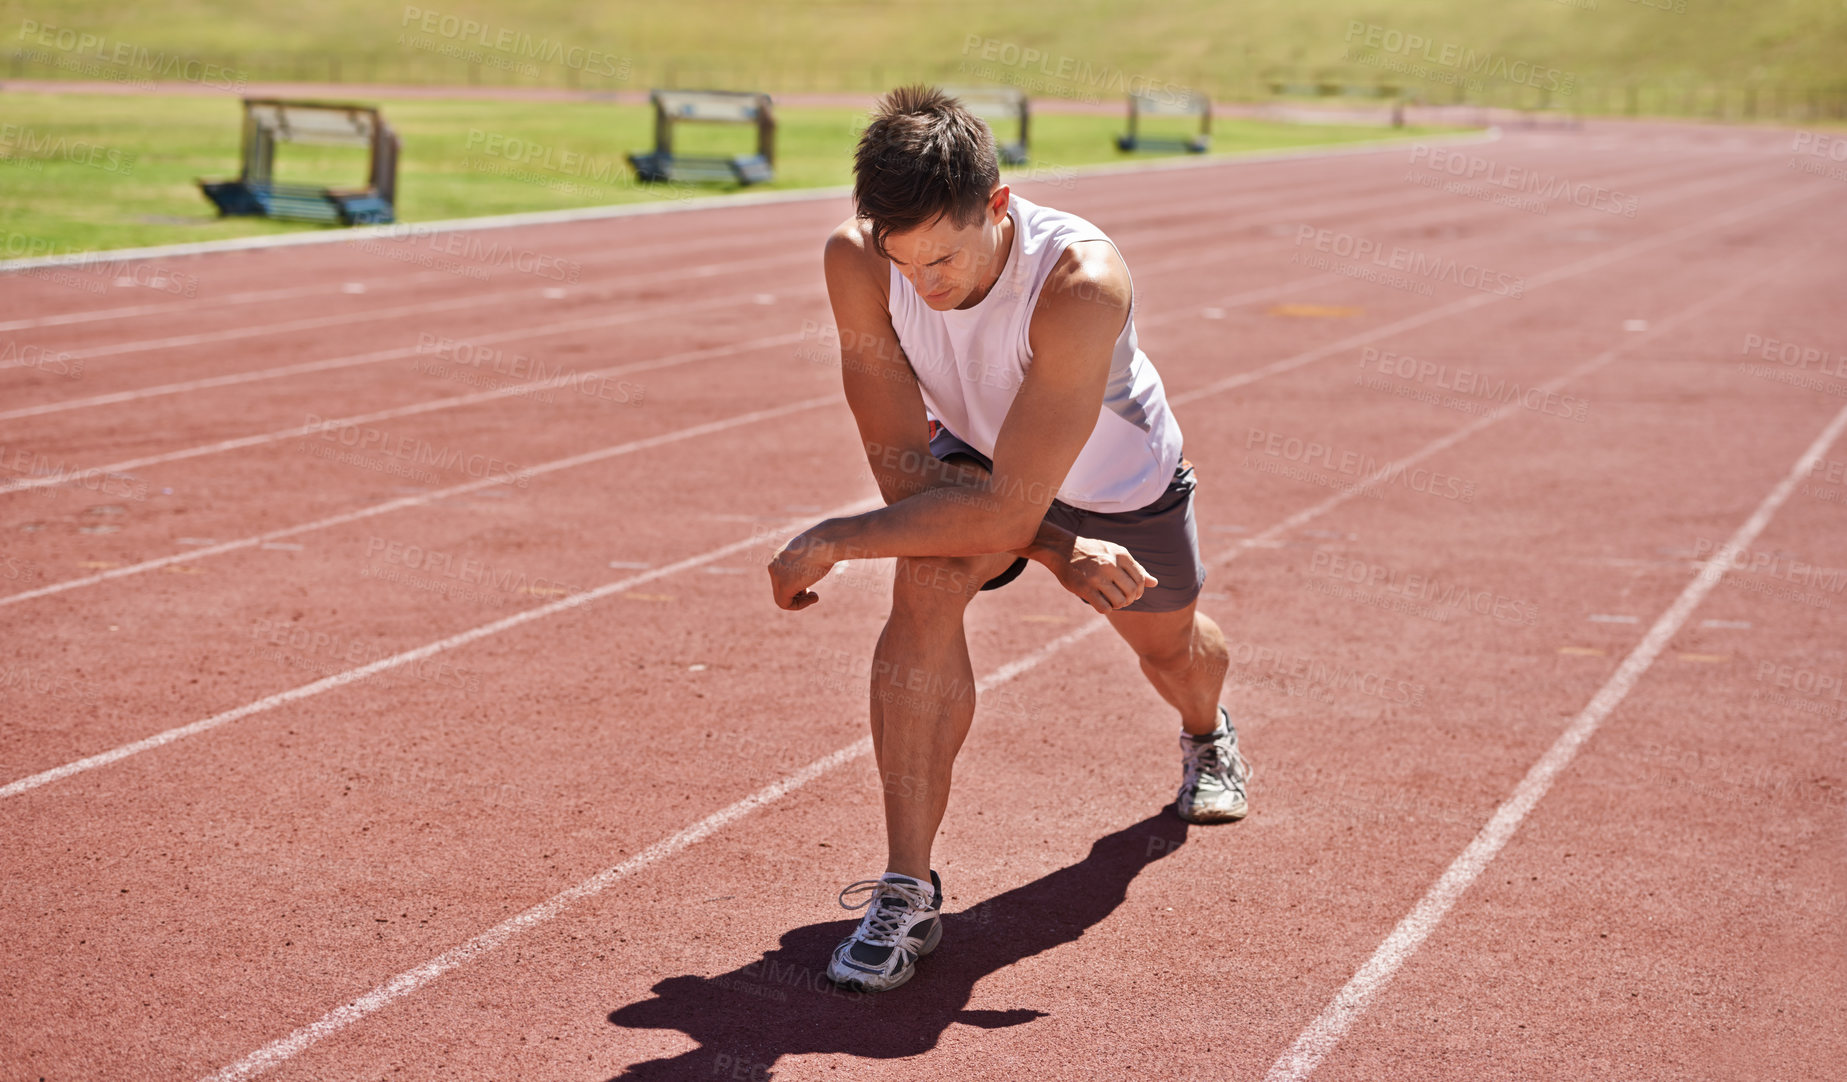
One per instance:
[(1074, 328)]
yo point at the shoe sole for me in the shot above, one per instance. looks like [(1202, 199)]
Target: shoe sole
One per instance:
[(1230, 816)]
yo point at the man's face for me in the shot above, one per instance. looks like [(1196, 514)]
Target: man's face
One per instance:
[(944, 262)]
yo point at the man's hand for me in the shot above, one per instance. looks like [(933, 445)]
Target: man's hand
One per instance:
[(1103, 574), (802, 562)]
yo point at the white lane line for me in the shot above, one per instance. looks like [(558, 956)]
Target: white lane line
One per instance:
[(1352, 1000), (499, 297), (272, 538), (330, 424), (538, 330), (234, 333), (115, 397), (649, 311), (627, 256), (278, 1051), (342, 679), (126, 311)]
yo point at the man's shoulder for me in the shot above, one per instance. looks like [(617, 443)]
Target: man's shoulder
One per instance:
[(853, 265), (1090, 273), (850, 243), (1088, 263)]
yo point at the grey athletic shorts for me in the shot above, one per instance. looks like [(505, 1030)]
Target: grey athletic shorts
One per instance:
[(1161, 536)]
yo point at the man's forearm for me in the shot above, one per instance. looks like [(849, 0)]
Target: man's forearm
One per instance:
[(901, 476), (948, 520)]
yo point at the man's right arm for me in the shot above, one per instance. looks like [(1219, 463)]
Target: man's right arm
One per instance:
[(880, 387), (881, 390)]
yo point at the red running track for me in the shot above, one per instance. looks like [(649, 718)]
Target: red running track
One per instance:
[(463, 740)]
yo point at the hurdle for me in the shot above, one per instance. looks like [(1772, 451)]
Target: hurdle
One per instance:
[(997, 106), (271, 121), (1391, 93), (1144, 104), (709, 107)]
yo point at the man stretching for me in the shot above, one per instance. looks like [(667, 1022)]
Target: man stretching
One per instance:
[(988, 354)]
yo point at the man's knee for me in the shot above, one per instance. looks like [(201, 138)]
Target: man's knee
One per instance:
[(1185, 648), (1169, 655)]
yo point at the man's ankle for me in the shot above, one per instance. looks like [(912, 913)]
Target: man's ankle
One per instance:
[(1213, 726)]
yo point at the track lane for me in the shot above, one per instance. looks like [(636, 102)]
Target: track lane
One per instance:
[(79, 497), (1131, 226), (1149, 914), (151, 620)]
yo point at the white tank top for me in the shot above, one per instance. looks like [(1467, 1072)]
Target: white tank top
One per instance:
[(969, 364)]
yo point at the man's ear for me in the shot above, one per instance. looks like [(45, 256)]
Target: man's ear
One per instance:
[(997, 204)]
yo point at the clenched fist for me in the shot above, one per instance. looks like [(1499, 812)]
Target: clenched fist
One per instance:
[(1103, 574)]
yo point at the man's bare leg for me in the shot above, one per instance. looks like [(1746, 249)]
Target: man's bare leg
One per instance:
[(1184, 656), (923, 698)]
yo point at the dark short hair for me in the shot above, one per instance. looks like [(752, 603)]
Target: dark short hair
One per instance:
[(923, 156)]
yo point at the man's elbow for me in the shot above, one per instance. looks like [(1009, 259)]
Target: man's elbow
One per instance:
[(1012, 522)]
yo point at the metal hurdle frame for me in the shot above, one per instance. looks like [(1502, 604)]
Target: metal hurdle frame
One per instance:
[(710, 107), (1145, 104), (272, 121), (999, 103)]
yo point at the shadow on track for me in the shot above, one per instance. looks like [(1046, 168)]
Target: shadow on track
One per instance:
[(783, 1004)]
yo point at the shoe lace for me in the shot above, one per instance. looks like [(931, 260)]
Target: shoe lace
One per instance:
[(1209, 761), (1204, 758), (884, 921)]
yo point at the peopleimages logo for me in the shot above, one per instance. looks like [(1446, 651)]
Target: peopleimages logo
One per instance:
[(1462, 389), (516, 44), (1325, 242), (123, 57), (1459, 59), (36, 146), (1068, 69), (1442, 596), (1476, 169), (1352, 469)]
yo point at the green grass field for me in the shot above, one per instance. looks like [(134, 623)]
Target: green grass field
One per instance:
[(1058, 48), (136, 159)]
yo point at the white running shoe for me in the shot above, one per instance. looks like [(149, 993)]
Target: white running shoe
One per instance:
[(903, 923), (1214, 775)]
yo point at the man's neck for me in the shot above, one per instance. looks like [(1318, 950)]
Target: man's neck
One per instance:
[(1002, 252)]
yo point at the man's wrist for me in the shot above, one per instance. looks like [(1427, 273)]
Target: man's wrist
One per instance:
[(827, 541), (1050, 546)]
